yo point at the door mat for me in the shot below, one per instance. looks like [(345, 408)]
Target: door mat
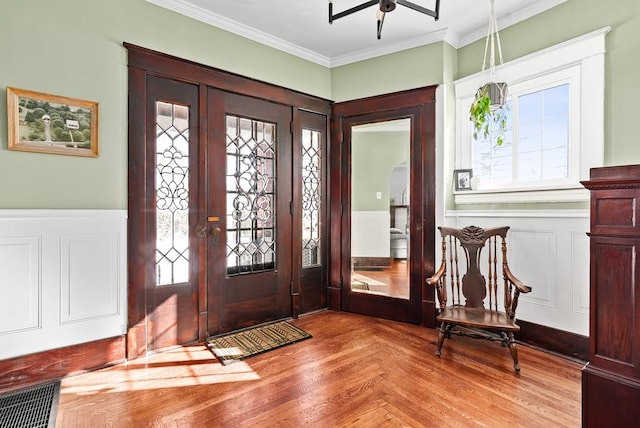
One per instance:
[(34, 407), (235, 346)]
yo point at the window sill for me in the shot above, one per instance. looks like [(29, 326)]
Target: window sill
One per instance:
[(506, 196)]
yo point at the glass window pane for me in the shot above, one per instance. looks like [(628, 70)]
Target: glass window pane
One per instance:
[(530, 137), (250, 184), (172, 193), (311, 197), (556, 133), (556, 101), (542, 147), (502, 170), (555, 163), (530, 108), (493, 162), (530, 166)]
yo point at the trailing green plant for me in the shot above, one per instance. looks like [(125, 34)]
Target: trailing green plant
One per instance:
[(484, 110), (489, 104)]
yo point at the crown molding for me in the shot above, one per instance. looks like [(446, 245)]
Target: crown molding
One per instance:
[(456, 40), (187, 9), (509, 20), (190, 10)]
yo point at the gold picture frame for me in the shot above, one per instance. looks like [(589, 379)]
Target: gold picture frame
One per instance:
[(46, 123)]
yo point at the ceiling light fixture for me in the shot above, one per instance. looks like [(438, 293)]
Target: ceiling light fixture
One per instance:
[(384, 6)]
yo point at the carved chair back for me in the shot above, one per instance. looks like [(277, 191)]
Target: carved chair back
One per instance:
[(472, 274), (474, 259)]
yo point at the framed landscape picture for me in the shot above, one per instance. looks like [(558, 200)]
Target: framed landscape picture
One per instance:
[(55, 124)]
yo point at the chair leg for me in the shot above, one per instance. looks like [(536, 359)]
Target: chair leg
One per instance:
[(442, 332), (514, 352)]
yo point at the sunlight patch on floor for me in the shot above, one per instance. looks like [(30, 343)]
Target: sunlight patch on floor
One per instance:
[(181, 367)]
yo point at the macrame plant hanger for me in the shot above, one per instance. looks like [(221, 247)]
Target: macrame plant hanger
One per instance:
[(497, 91)]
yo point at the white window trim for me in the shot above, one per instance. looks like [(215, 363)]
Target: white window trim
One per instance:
[(585, 53)]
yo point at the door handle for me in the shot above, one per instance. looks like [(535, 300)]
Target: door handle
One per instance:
[(202, 229), (215, 235)]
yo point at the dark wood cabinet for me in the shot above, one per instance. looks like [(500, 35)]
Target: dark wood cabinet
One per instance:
[(611, 378)]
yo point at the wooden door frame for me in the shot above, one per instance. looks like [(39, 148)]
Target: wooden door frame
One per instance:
[(422, 100), (142, 63)]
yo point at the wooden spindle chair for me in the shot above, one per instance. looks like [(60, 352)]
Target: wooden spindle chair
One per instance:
[(460, 279)]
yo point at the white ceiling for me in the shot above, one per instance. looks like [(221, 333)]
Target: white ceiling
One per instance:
[(301, 27)]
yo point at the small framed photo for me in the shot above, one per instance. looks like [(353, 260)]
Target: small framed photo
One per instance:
[(54, 124), (462, 179)]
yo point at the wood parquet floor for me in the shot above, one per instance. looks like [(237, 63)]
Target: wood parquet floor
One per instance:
[(392, 281), (356, 371)]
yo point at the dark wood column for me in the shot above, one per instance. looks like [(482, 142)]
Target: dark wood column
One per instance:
[(611, 379)]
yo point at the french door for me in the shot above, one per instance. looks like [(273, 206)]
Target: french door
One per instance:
[(226, 202), (248, 211), (219, 210)]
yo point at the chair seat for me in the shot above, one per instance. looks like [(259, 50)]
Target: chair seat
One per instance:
[(477, 317)]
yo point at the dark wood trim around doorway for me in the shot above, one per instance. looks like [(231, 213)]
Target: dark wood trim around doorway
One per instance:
[(418, 105)]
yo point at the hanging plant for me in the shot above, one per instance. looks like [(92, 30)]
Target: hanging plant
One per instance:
[(489, 104)]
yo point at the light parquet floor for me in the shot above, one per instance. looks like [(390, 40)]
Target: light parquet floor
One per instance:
[(356, 371)]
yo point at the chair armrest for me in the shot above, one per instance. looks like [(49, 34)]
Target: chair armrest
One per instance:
[(516, 282), (435, 279)]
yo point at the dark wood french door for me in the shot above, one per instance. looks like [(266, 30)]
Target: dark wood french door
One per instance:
[(249, 211), (227, 191), (221, 209)]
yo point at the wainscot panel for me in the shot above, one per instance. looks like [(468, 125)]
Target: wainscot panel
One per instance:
[(549, 251), (62, 278)]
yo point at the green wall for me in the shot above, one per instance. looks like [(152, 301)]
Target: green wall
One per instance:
[(374, 155), (408, 69), (74, 48)]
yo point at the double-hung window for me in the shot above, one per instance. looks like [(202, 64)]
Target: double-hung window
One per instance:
[(555, 126)]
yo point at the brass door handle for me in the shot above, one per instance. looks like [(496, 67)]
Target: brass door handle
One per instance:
[(215, 235)]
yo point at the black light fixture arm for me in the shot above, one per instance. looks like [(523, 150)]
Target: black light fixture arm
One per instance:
[(435, 14), (354, 9), (384, 7), (380, 23)]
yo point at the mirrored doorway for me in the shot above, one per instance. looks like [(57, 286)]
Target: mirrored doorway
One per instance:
[(401, 128), (380, 200)]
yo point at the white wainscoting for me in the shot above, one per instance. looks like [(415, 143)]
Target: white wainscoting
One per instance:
[(370, 234), (63, 278), (549, 251)]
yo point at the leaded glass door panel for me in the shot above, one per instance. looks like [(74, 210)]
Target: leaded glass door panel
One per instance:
[(310, 186), (172, 147), (249, 211)]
